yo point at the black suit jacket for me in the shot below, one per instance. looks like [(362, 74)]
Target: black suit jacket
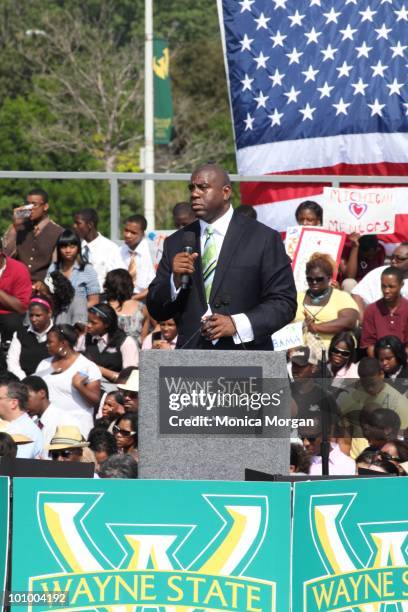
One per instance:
[(253, 276)]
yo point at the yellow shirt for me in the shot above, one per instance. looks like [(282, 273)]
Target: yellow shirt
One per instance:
[(339, 300)]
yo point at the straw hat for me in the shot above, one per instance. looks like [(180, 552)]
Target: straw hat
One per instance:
[(132, 383), (18, 438), (67, 436)]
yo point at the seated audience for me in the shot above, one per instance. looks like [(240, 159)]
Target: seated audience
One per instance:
[(398, 452), (387, 316), (339, 463), (392, 356), (125, 432), (379, 425), (72, 379), (8, 447), (13, 409), (67, 308), (75, 268), (163, 337), (299, 460), (119, 466), (324, 310), (118, 290), (68, 444), (129, 386), (341, 364), (29, 344), (368, 290), (309, 213), (136, 255), (361, 255), (107, 345), (111, 406), (103, 444), (372, 462), (44, 413)]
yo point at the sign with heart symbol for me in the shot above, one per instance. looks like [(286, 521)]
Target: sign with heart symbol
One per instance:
[(357, 210)]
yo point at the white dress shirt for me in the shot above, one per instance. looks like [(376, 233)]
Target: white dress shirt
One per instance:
[(104, 255), (220, 226), (51, 418), (145, 272), (26, 426), (14, 352)]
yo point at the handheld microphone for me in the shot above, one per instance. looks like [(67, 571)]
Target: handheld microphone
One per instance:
[(189, 241)]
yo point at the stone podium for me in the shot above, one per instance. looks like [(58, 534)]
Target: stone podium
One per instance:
[(204, 456)]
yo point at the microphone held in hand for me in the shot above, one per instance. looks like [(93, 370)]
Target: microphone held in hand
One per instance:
[(189, 241)]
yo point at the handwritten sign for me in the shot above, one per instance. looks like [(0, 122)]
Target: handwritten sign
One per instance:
[(288, 337), (365, 211), (315, 240)]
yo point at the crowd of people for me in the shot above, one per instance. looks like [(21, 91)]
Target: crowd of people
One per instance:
[(75, 312)]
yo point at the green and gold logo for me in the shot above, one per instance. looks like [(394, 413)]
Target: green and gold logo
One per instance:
[(134, 567), (370, 580)]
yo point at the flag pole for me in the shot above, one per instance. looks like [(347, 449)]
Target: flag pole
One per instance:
[(148, 185)]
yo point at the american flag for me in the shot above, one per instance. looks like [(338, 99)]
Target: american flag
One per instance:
[(316, 87)]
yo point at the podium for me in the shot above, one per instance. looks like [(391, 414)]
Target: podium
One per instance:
[(207, 454)]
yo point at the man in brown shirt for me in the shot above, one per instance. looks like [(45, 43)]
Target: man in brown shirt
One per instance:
[(32, 239)]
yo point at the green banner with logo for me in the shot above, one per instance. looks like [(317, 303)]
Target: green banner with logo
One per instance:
[(4, 534), (160, 545), (350, 545), (163, 104)]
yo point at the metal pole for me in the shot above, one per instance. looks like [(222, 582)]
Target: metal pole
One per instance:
[(148, 185), (114, 209)]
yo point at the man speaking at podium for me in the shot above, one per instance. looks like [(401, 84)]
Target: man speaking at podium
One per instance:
[(225, 278)]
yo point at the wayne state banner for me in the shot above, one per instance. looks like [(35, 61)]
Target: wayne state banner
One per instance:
[(350, 544), (4, 530), (158, 545)]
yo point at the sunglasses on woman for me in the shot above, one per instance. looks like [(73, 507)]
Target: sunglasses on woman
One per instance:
[(123, 432), (342, 352), (312, 280)]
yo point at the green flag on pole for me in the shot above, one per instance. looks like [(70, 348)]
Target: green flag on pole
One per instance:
[(163, 105)]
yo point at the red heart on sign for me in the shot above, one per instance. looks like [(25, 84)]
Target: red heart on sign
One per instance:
[(357, 210)]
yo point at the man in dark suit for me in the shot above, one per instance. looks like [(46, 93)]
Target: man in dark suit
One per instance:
[(241, 284)]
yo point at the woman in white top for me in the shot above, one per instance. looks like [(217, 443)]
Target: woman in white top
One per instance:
[(73, 380)]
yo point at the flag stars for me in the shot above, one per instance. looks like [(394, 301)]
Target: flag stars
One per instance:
[(307, 112), (325, 90), (348, 33), (262, 22), (328, 53), (247, 83), (275, 117), (261, 100), (296, 19), (278, 39), (294, 56), (292, 95), (395, 87), (246, 43), (312, 36), (383, 32), (261, 60), (310, 74), (402, 14), (276, 78), (341, 107), (249, 122), (378, 69), (315, 3), (331, 16), (280, 4), (359, 87), (367, 15), (363, 51), (398, 50), (376, 108), (246, 5), (344, 70)]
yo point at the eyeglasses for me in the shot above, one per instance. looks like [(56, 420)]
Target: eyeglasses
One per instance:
[(123, 432), (312, 280), (65, 453), (398, 258), (338, 351)]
